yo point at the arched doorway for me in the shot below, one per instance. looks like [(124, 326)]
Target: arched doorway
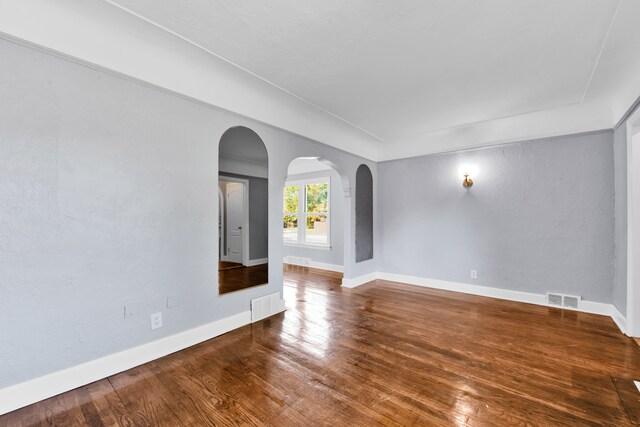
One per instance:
[(313, 216), (243, 167)]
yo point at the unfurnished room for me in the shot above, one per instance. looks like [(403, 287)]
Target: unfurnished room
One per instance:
[(319, 213)]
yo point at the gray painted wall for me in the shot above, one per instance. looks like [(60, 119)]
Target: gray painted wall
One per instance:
[(108, 196), (336, 254), (540, 216), (258, 215), (364, 214)]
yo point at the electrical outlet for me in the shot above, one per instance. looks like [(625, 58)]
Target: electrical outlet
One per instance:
[(474, 274), (156, 320)]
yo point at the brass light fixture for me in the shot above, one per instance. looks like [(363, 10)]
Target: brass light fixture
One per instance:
[(468, 182)]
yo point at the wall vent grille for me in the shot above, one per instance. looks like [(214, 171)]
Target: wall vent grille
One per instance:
[(265, 306), (554, 299), (561, 300)]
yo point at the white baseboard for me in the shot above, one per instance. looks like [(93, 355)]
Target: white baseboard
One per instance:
[(465, 288), (291, 260), (260, 261), (325, 266), (506, 294), (620, 320), (28, 392), (360, 280)]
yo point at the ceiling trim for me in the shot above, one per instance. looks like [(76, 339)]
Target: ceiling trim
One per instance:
[(602, 47), (132, 47), (629, 112), (210, 52), (141, 51)]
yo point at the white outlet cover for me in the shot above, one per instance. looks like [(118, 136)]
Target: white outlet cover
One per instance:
[(156, 320), (474, 274)]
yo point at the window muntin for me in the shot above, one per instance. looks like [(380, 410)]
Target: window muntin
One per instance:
[(307, 203)]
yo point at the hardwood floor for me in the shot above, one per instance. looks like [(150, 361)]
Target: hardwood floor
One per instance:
[(226, 265), (381, 354), (236, 279)]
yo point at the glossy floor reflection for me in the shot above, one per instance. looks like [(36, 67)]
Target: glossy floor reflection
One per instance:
[(237, 277), (380, 354)]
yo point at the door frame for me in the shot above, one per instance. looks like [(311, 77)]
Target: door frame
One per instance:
[(633, 221), (222, 244), (245, 217)]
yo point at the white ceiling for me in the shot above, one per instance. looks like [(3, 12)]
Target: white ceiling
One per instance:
[(377, 78), (402, 69)]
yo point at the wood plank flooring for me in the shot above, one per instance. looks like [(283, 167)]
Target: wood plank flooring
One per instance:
[(237, 279), (381, 354), (226, 265)]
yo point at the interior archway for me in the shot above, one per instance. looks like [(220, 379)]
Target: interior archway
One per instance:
[(243, 167), (313, 216)]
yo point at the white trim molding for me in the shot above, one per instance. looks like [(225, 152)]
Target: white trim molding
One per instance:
[(196, 72), (326, 266), (259, 261), (620, 320), (308, 262), (360, 280), (633, 221), (592, 307), (37, 389)]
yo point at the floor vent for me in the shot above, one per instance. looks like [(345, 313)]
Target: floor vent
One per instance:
[(561, 300), (266, 306)]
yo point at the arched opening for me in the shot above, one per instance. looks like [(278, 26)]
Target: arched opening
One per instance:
[(243, 167), (364, 214), (313, 216)]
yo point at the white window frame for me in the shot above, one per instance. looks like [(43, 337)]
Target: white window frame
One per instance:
[(302, 214)]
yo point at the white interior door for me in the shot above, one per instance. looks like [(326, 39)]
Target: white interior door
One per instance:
[(235, 215)]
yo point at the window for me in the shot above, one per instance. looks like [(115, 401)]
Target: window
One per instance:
[(306, 212)]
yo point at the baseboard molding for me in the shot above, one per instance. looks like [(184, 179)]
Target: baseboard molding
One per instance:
[(28, 392), (506, 294), (620, 320), (360, 280), (291, 260), (325, 266), (254, 262)]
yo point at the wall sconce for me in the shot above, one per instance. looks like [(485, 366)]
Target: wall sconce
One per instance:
[(468, 182)]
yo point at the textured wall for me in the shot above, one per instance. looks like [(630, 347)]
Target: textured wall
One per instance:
[(540, 216), (336, 254), (108, 196)]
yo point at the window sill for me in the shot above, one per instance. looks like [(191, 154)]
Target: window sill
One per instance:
[(308, 246)]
